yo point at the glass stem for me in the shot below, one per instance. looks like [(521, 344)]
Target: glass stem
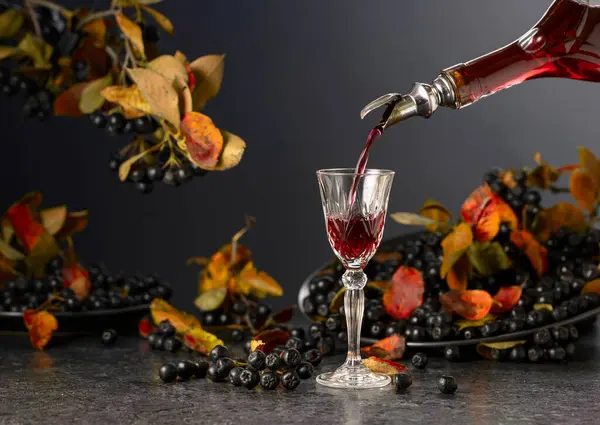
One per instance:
[(354, 305)]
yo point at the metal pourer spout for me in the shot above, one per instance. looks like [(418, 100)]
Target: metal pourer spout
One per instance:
[(423, 100)]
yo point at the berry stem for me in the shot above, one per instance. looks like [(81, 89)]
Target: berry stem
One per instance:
[(34, 19)]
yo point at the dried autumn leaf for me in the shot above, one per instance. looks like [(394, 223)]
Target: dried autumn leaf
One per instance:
[(484, 211), (455, 245), (146, 327), (390, 348), (160, 19), (199, 340), (67, 103), (95, 57), (592, 287), (463, 324), (181, 321), (76, 221), (76, 277), (9, 252), (458, 276), (7, 51), (125, 166), (129, 98), (282, 316), (488, 258), (270, 339), (203, 141), (484, 348), (472, 305), (11, 21), (233, 150), (96, 29), (384, 367), (256, 345), (91, 97), (563, 214), (411, 219), (158, 93), (37, 49), (506, 298), (438, 213), (337, 301), (583, 190), (40, 325), (170, 68), (508, 178), (590, 164), (208, 73), (258, 283), (405, 294), (536, 252), (53, 219), (132, 31), (548, 307), (220, 268), (211, 300)]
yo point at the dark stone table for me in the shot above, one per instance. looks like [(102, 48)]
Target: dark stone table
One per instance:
[(84, 383)]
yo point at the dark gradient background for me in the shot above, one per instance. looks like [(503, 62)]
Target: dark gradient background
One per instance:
[(297, 74)]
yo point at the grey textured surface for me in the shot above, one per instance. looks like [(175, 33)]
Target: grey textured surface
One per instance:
[(84, 383)]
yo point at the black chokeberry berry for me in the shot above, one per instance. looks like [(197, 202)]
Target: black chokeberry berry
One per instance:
[(447, 385), (116, 120), (109, 337), (185, 369), (239, 308), (557, 353), (290, 380), (402, 381), (144, 187), (169, 178), (144, 125), (305, 370), (542, 338), (452, 353), (297, 332), (420, 360), (316, 330), (296, 343), (167, 372), (171, 344), (166, 329), (535, 354), (98, 118), (237, 335), (573, 333), (489, 329), (256, 360), (269, 380), (313, 356), (570, 349), (249, 378), (291, 358), (333, 322), (532, 197), (200, 368), (218, 352), (223, 366), (273, 361), (560, 334), (517, 354), (234, 376), (323, 309), (263, 310)]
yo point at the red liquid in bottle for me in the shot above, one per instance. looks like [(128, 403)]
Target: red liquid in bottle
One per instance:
[(565, 43), (355, 239), (363, 159)]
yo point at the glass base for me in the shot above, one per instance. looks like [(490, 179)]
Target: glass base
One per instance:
[(353, 377)]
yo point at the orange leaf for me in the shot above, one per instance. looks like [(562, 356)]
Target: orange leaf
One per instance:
[(484, 210), (592, 286), (537, 253), (583, 189), (204, 141), (384, 367), (96, 29), (97, 60), (75, 223), (472, 305), (257, 345), (508, 179), (563, 214), (67, 103), (40, 326), (436, 212), (590, 164), (405, 294), (220, 270), (258, 283), (390, 348), (181, 321), (200, 340), (506, 298), (74, 275), (458, 275), (270, 339), (132, 31), (455, 245)]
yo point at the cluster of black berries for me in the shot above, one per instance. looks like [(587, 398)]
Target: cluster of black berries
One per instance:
[(164, 338), (38, 102), (109, 291), (116, 123), (519, 196), (236, 314), (314, 344)]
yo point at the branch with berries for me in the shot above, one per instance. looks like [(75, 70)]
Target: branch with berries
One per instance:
[(106, 65)]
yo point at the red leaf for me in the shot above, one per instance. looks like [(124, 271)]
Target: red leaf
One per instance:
[(271, 339), (191, 77), (97, 60), (484, 211), (26, 225), (76, 277), (40, 326), (67, 103), (405, 294), (506, 298), (390, 348), (537, 253), (284, 315), (146, 327), (386, 367), (472, 305)]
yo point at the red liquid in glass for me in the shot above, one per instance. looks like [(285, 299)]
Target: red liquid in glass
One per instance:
[(565, 43), (363, 159), (355, 239)]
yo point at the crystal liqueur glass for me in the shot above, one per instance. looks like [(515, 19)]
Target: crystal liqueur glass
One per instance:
[(355, 206)]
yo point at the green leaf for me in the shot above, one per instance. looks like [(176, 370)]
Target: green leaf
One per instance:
[(208, 72), (11, 21), (211, 300), (411, 219), (37, 49), (91, 97), (488, 258), (463, 324)]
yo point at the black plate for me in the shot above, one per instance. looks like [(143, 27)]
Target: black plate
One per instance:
[(123, 320), (389, 245)]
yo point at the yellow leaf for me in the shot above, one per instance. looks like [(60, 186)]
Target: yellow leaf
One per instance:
[(543, 307), (233, 150), (181, 321), (385, 367), (170, 68), (11, 21), (96, 29), (438, 213), (91, 97), (462, 324), (53, 219), (160, 19), (208, 71), (259, 282), (563, 214), (37, 49), (132, 31), (455, 245), (504, 345), (159, 93), (7, 51), (200, 340), (129, 98), (254, 344), (76, 222), (211, 300)]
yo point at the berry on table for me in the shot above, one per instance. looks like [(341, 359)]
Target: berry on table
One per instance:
[(402, 381), (305, 370), (158, 342), (269, 380), (447, 385), (313, 356), (109, 337), (249, 378), (167, 372), (185, 369), (223, 366), (257, 360), (290, 380), (218, 352), (296, 343), (273, 361), (420, 360), (171, 344), (452, 353), (234, 376), (200, 368), (557, 353), (291, 358)]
